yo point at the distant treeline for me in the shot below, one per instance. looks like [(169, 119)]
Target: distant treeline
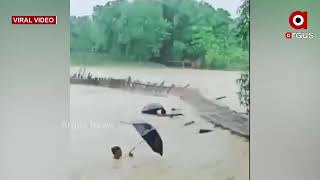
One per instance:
[(163, 31)]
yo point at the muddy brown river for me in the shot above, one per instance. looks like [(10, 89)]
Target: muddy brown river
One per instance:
[(96, 115)]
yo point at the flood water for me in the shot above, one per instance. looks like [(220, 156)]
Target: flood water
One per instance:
[(96, 115), (211, 83)]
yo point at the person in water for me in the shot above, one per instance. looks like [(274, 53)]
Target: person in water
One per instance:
[(163, 112), (117, 152)]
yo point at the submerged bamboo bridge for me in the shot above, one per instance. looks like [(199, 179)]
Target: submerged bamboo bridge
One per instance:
[(220, 116)]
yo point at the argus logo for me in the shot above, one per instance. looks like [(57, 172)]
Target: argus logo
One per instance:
[(299, 20), (299, 35)]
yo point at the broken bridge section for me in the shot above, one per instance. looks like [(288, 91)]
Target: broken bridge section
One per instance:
[(218, 115)]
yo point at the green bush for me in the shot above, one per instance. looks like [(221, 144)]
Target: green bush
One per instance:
[(244, 93)]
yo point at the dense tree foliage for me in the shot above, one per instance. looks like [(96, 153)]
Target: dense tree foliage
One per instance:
[(164, 31), (244, 80)]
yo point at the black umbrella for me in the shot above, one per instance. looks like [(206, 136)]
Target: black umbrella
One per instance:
[(152, 108), (151, 136)]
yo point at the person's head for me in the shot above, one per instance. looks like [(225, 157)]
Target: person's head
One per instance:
[(163, 111), (116, 151)]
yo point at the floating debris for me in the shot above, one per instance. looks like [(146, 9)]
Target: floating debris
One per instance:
[(189, 123), (201, 131), (222, 97)]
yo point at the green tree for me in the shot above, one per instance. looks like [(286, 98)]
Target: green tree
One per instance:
[(244, 80), (132, 29), (244, 23), (81, 33), (164, 30)]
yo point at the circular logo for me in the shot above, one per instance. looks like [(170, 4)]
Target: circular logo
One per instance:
[(298, 20), (288, 35)]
